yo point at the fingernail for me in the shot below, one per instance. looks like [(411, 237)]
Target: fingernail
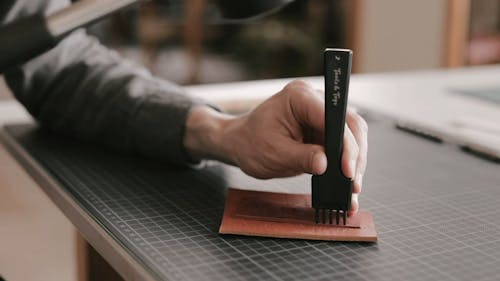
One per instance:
[(319, 163), (354, 204), (352, 167), (359, 179)]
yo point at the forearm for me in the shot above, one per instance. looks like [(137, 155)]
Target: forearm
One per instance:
[(83, 89), (205, 135)]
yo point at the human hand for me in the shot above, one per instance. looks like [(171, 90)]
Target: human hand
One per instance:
[(281, 137)]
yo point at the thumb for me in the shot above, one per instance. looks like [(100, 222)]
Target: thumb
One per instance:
[(308, 158)]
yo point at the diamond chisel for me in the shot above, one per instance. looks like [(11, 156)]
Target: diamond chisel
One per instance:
[(332, 191)]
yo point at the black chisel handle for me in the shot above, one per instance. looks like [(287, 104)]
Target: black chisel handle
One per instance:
[(337, 71), (332, 191)]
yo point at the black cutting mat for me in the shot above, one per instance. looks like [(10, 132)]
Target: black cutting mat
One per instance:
[(435, 208)]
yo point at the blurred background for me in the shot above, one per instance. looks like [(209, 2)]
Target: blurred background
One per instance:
[(179, 40), (182, 41)]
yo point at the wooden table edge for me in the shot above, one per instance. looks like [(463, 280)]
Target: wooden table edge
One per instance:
[(110, 249)]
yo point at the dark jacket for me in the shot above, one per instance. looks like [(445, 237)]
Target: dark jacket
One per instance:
[(83, 89)]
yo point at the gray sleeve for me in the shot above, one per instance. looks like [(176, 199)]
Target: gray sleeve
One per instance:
[(85, 90)]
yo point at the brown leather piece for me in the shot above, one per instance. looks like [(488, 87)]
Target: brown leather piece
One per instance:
[(281, 215)]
